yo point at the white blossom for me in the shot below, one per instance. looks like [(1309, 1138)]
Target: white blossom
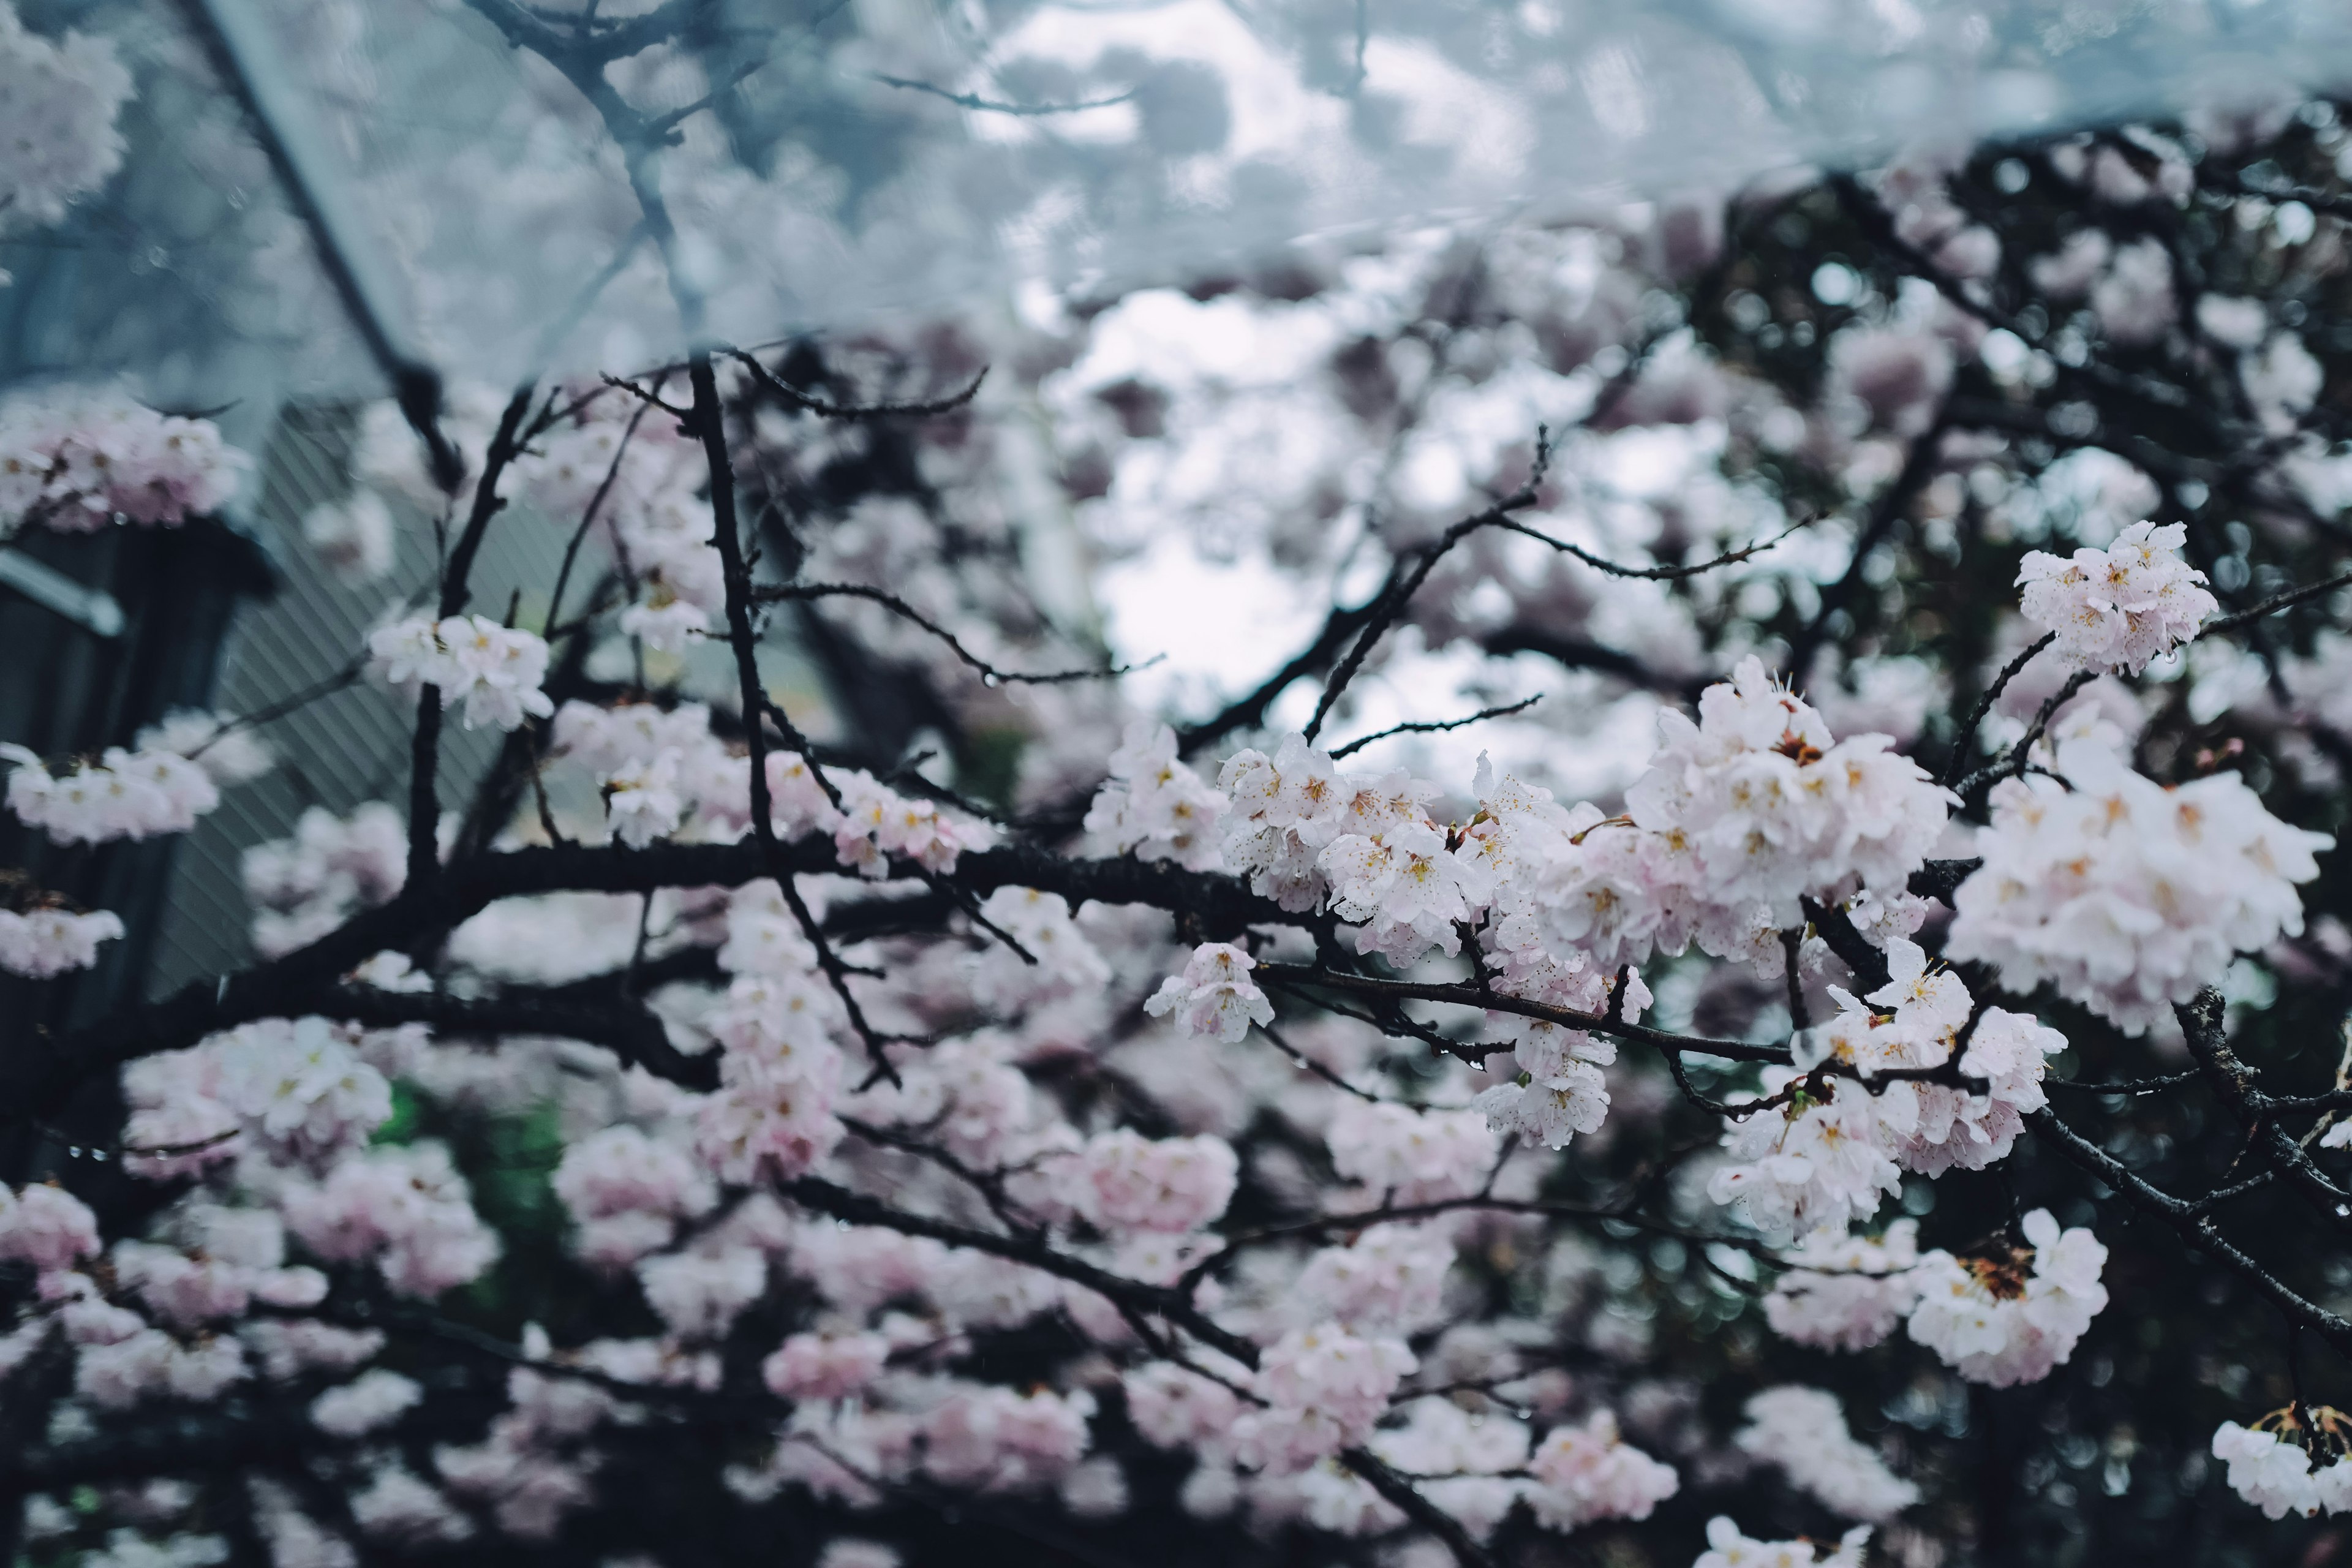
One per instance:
[(2124, 895), (2009, 1319), (1845, 1293), (1214, 995), (495, 671), (1154, 805), (1804, 1432), (1727, 1548), (2119, 608)]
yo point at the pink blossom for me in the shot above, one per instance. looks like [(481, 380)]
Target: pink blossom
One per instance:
[(824, 1367)]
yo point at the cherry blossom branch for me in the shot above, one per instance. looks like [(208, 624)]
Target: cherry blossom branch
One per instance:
[(774, 592), (424, 746), (1887, 509), (588, 516), (2015, 763), (1965, 741), (1413, 569), (2272, 604), (1835, 928), (1154, 1300), (1467, 995), (990, 1186), (2129, 1087), (1482, 1203), (1435, 726), (632, 1034), (1309, 1064), (2191, 1222), (1652, 573), (1580, 653), (1248, 711), (1938, 879), (810, 402), (1409, 1502), (35, 1081), (2232, 1083), (268, 712), (970, 100), (708, 426)]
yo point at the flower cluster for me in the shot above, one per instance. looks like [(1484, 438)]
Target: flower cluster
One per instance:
[(2290, 1462), (1128, 1182), (1389, 1279), (1324, 1389), (1804, 1432), (1395, 873), (658, 766), (1285, 809), (125, 795), (626, 1192), (353, 536), (78, 464), (221, 1261), (60, 101), (2119, 608), (1738, 817), (1588, 1472), (995, 1439), (874, 823), (1066, 964), (300, 1090), (2124, 895), (1416, 1156), (225, 747), (369, 1403), (2009, 1319), (404, 1208), (496, 671), (1214, 995), (825, 1366), (306, 886), (780, 1070), (1153, 806), (1727, 1548), (1304, 832), (2003, 1318), (1468, 1456), (1839, 1143), (1818, 1161), (45, 1228), (43, 941), (1845, 1293)]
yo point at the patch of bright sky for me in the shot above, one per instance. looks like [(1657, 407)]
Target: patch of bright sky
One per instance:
[(1274, 113)]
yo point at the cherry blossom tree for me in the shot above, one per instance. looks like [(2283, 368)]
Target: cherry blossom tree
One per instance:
[(1823, 1049)]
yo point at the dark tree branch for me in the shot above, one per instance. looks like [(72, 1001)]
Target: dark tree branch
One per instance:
[(1965, 741), (425, 747)]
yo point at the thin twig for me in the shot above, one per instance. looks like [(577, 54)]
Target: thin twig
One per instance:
[(1433, 727), (991, 106), (775, 592), (1966, 739), (810, 402), (1652, 573)]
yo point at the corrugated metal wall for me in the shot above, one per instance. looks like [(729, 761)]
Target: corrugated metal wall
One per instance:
[(343, 749)]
